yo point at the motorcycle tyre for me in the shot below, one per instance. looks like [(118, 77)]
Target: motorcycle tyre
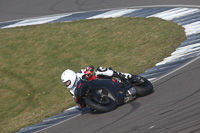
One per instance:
[(144, 90), (100, 108)]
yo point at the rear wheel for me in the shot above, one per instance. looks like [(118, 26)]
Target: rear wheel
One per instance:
[(100, 101)]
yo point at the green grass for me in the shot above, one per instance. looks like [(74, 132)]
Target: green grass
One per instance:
[(32, 59)]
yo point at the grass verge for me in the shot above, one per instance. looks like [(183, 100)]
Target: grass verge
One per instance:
[(33, 58)]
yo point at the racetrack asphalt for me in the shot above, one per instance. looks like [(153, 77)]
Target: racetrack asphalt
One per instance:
[(20, 9), (173, 107)]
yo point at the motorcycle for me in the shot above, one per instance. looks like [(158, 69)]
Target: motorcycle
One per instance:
[(106, 94)]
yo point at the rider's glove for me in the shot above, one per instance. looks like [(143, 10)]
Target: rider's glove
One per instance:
[(88, 71)]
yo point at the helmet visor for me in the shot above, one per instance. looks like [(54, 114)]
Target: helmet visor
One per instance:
[(67, 83)]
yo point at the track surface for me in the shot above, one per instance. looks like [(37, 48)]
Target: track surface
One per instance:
[(20, 9), (173, 107)]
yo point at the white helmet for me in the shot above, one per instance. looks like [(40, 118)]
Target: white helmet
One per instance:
[(68, 77)]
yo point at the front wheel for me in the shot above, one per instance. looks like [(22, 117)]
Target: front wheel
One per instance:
[(101, 103), (144, 88)]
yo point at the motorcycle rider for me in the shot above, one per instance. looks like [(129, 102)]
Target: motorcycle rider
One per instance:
[(70, 78)]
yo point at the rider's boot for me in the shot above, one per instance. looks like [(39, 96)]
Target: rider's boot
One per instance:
[(102, 71), (122, 75)]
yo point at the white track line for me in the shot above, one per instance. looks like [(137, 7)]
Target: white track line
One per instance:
[(174, 13), (114, 13), (176, 69), (35, 21), (58, 123)]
